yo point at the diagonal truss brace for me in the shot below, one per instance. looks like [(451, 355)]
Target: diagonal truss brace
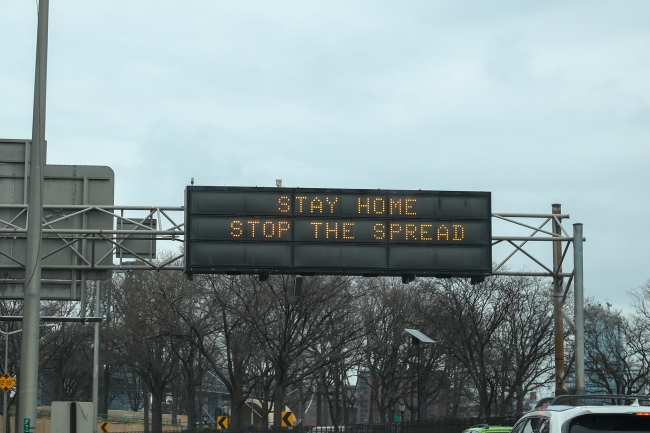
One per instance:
[(539, 233)]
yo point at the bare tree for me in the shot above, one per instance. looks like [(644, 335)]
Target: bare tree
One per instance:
[(111, 360), (222, 335), (526, 342), (66, 357), (340, 347), (191, 327), (501, 333), (68, 361), (616, 350), (146, 346), (641, 301), (385, 313), (287, 327)]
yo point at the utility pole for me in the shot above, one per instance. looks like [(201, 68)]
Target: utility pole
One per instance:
[(28, 386)]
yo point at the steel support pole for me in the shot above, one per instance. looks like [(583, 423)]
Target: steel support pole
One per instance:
[(28, 387), (82, 293), (558, 321), (579, 312), (84, 251), (96, 361)]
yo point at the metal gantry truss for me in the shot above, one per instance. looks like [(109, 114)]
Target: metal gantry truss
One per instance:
[(169, 226), (136, 242), (137, 232), (540, 233)]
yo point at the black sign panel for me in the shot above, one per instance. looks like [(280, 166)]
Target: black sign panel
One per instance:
[(337, 231)]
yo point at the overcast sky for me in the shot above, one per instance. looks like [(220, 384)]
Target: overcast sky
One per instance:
[(537, 102)]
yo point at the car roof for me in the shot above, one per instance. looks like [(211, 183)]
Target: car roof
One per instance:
[(594, 400), (565, 413)]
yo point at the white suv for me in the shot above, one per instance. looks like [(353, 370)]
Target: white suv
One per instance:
[(588, 414)]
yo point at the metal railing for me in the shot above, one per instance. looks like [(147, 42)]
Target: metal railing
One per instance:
[(433, 425)]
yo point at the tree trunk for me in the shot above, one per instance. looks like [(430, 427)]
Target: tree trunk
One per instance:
[(156, 409), (200, 392), (344, 403), (302, 407), (145, 395), (190, 390), (237, 405), (200, 404), (520, 401), (175, 402), (278, 401), (371, 408), (319, 407), (107, 382)]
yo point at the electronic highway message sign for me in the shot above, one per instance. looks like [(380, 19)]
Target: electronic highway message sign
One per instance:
[(337, 231)]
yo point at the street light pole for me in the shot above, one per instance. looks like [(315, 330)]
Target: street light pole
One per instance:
[(416, 338), (28, 387), (415, 341)]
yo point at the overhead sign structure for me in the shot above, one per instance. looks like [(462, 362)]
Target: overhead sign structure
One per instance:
[(7, 382), (337, 231)]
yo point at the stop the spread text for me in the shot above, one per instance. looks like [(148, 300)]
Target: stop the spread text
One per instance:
[(274, 229)]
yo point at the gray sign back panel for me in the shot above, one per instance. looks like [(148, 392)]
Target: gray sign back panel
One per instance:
[(141, 244), (63, 185)]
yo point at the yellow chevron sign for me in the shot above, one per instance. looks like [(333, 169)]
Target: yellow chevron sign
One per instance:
[(288, 419), (222, 423)]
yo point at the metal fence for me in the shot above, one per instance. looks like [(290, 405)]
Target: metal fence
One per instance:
[(434, 425)]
